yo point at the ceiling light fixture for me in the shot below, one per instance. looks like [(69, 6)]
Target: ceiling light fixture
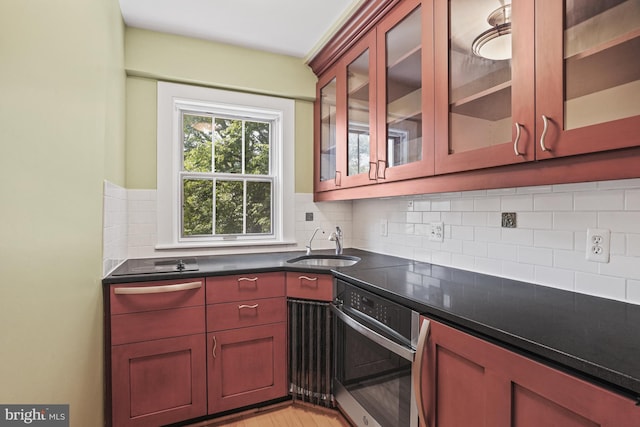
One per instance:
[(495, 43)]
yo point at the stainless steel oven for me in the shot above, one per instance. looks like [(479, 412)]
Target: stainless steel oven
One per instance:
[(374, 350)]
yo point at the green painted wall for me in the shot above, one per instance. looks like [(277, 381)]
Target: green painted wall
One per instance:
[(152, 56), (62, 86)]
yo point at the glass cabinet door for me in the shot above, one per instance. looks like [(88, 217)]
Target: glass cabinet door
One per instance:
[(484, 80), (326, 134), (360, 101), (404, 93), (588, 87)]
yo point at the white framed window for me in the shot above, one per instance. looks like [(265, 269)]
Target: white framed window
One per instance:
[(225, 168)]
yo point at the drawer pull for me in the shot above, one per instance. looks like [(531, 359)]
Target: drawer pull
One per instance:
[(215, 344), (311, 279), (157, 289), (247, 279), (240, 307)]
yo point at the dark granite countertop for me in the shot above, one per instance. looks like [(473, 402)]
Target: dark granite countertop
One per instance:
[(596, 338)]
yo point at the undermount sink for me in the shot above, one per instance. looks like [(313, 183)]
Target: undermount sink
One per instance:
[(325, 260)]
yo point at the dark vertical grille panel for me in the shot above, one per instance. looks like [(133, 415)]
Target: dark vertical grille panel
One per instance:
[(310, 352)]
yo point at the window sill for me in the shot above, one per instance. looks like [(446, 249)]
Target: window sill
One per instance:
[(223, 244)]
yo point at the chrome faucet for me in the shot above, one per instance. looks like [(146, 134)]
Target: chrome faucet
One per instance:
[(311, 239), (336, 236)]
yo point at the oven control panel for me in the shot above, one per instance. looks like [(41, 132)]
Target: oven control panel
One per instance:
[(370, 307)]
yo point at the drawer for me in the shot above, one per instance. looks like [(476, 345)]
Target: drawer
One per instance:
[(160, 295), (152, 325), (241, 314), (310, 286), (243, 287)]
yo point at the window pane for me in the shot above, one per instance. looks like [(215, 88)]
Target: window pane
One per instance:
[(228, 146), (229, 207), (197, 207), (259, 207), (196, 143), (256, 149)]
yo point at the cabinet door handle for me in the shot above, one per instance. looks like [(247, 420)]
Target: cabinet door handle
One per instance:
[(157, 289), (417, 372), (545, 121), (515, 142), (240, 307), (383, 168), (215, 344), (338, 179), (310, 279), (373, 165)]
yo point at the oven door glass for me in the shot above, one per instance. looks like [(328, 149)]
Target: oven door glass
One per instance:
[(377, 378)]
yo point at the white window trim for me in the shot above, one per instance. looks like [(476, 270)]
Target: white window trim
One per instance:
[(171, 97)]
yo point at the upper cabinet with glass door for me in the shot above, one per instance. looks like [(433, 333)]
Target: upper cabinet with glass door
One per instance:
[(484, 83), (326, 133), (587, 76), (405, 93)]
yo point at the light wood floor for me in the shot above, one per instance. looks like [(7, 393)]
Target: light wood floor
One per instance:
[(288, 415)]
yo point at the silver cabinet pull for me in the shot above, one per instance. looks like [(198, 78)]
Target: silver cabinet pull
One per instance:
[(384, 169), (248, 279), (545, 120), (311, 279), (157, 289), (338, 179), (215, 344), (240, 307), (417, 371), (515, 143)]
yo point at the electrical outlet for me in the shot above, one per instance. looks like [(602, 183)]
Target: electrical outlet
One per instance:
[(598, 244), (384, 229), (437, 232)]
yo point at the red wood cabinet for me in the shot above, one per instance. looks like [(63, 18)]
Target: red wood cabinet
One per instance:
[(374, 107), (157, 356), (246, 340), (562, 93), (464, 122), (318, 287), (468, 381)]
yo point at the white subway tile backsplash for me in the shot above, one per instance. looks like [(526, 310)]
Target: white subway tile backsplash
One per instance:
[(633, 291), (578, 221), (520, 203), (599, 201), (626, 222), (535, 220), (487, 204), (558, 239), (559, 278), (602, 286), (537, 256), (553, 202), (632, 200), (547, 247)]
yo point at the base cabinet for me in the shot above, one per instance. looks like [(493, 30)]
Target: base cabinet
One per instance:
[(246, 366), (466, 381), (159, 382), (246, 340)]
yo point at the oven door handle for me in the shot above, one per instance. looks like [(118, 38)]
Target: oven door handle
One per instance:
[(400, 350)]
